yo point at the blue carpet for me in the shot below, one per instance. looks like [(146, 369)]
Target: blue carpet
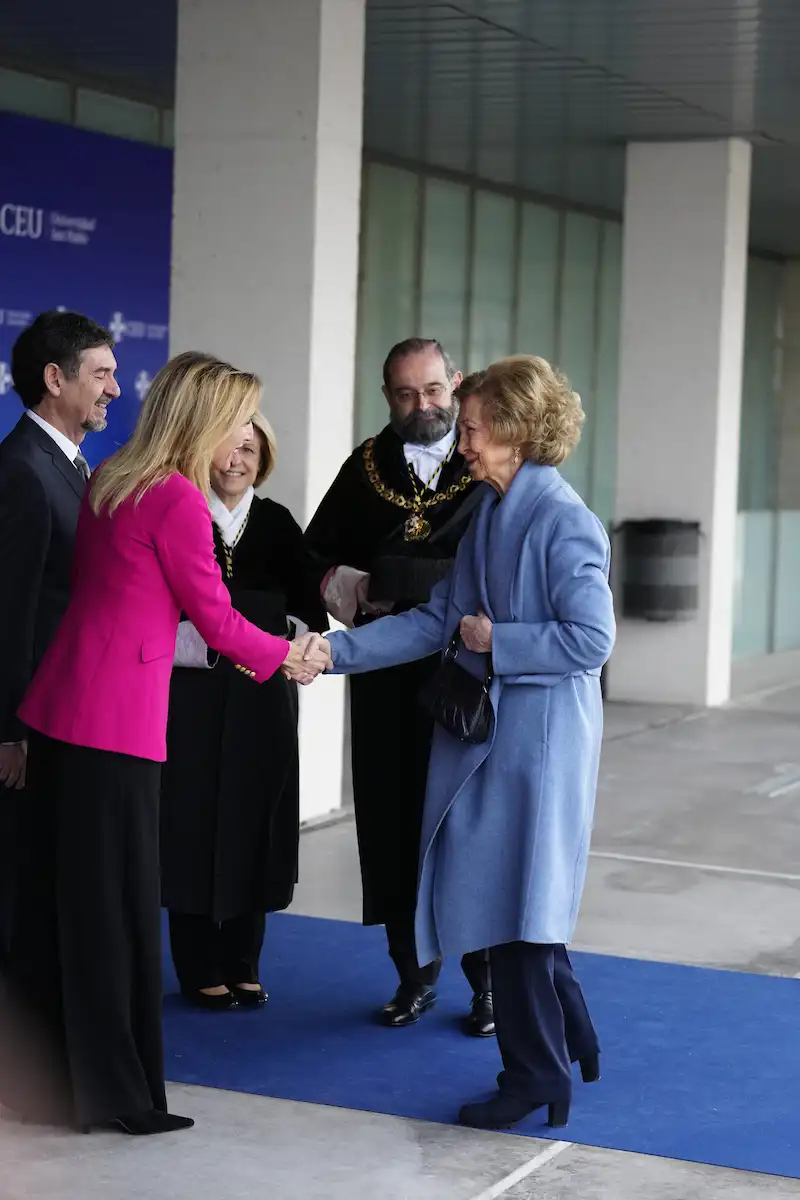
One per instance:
[(698, 1065)]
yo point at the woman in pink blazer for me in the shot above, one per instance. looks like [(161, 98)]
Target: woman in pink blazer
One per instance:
[(84, 1046)]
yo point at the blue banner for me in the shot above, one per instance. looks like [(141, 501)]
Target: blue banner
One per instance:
[(85, 224)]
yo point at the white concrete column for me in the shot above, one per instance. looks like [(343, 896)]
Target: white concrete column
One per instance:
[(268, 125), (683, 310)]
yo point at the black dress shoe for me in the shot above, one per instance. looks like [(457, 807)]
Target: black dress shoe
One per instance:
[(221, 1003), (480, 1022), (248, 997), (155, 1121), (505, 1110), (409, 1003)]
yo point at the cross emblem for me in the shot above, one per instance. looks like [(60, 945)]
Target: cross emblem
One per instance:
[(117, 326), (5, 379), (142, 385)]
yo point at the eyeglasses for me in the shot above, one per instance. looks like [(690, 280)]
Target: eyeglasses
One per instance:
[(434, 391)]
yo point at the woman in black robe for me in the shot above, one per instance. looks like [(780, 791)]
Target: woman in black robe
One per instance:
[(230, 790)]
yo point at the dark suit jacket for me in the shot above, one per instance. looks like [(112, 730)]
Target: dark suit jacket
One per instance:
[(40, 498)]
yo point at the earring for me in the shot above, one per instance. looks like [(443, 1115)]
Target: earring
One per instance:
[(516, 454)]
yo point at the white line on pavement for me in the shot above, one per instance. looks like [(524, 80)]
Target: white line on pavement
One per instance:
[(693, 866), (504, 1185)]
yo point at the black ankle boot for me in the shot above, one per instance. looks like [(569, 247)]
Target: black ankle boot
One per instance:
[(590, 1068), (410, 1001), (505, 1110)]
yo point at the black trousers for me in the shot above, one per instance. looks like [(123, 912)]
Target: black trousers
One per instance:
[(541, 1019), (209, 953), (81, 1035), (403, 953), (10, 803)]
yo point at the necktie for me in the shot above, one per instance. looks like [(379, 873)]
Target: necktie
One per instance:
[(82, 467)]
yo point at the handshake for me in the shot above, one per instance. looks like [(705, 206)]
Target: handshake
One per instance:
[(308, 657)]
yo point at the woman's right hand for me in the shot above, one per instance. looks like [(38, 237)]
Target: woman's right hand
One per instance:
[(308, 657)]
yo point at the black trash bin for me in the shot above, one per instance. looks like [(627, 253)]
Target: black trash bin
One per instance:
[(660, 569)]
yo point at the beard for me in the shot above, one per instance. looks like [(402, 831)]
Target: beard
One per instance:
[(423, 429), (94, 425)]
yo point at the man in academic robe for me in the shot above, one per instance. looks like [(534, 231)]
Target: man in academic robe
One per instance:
[(63, 369), (383, 536)]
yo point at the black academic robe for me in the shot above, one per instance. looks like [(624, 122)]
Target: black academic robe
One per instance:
[(230, 793), (391, 735)]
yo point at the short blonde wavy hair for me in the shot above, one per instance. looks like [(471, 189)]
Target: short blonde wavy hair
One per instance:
[(529, 404), (268, 447)]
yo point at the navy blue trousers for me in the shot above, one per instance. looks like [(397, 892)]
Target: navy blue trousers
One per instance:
[(542, 1022)]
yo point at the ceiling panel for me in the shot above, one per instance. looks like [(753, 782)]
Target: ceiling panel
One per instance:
[(544, 94)]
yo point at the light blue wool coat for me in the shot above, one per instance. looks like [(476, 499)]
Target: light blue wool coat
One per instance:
[(506, 827)]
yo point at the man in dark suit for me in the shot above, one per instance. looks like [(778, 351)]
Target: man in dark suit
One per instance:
[(63, 369)]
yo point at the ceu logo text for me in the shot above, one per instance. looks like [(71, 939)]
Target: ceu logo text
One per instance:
[(25, 221), (19, 220)]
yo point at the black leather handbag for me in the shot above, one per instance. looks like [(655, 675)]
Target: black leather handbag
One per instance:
[(457, 700)]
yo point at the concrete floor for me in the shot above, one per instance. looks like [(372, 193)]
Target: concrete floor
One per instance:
[(696, 859)]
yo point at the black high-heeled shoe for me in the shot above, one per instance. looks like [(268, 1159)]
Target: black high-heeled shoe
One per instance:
[(148, 1123), (221, 1003), (248, 997), (505, 1110)]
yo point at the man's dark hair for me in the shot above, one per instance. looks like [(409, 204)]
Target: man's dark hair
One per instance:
[(416, 345), (54, 337), (469, 385)]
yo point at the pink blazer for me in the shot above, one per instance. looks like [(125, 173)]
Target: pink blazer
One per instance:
[(104, 681)]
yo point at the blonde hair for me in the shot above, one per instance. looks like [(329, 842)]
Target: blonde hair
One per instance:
[(194, 403), (269, 447), (529, 405)]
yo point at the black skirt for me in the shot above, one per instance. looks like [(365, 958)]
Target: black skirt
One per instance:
[(81, 1038), (230, 794)]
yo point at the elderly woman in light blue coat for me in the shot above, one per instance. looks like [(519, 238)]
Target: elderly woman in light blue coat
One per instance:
[(507, 822)]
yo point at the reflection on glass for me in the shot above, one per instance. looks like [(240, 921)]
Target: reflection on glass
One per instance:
[(492, 299), (388, 283), (444, 265)]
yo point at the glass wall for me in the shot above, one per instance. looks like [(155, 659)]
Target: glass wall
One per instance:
[(56, 100), (768, 546), (489, 274)]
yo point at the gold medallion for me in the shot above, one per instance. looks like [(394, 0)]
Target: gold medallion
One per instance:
[(416, 529)]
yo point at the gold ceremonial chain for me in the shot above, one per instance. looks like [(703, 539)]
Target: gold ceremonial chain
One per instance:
[(228, 550), (416, 528)]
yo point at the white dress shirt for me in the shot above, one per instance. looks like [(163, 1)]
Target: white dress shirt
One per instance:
[(230, 521), (190, 648), (426, 460), (60, 439)]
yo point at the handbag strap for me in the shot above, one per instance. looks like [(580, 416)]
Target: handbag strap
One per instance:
[(451, 654)]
